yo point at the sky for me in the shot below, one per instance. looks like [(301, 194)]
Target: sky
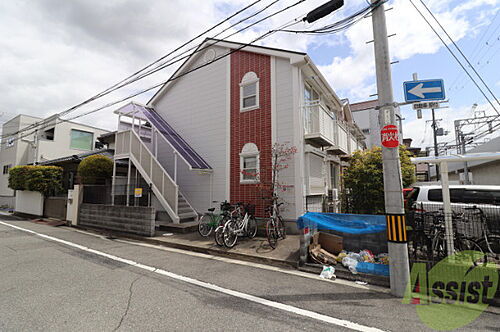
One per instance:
[(56, 53)]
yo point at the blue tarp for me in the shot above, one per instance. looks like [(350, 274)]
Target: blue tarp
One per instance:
[(372, 268), (345, 223)]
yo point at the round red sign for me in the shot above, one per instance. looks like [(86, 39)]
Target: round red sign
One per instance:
[(390, 136)]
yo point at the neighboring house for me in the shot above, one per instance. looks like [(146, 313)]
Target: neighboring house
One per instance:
[(208, 135), (366, 117), (481, 172), (52, 140)]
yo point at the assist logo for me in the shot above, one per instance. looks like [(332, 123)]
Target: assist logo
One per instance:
[(454, 292)]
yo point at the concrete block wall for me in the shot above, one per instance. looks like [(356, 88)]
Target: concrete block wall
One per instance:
[(130, 219)]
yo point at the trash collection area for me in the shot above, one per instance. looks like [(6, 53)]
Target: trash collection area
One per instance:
[(358, 243)]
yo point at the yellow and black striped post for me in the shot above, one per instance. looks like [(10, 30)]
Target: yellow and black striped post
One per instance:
[(396, 228)]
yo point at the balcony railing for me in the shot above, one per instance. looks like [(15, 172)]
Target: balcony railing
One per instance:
[(319, 126)]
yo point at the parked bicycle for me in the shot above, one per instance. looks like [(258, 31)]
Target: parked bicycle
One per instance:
[(275, 227), (242, 223), (210, 220), (488, 242)]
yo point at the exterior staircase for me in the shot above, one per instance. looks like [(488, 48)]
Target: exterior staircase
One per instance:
[(128, 144)]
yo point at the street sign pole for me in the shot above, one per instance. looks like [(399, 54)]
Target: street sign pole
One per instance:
[(393, 188)]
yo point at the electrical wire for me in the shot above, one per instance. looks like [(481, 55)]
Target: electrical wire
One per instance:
[(174, 77), (121, 83), (460, 51), (454, 56), (341, 25)]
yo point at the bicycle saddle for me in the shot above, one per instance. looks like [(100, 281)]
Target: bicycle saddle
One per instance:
[(211, 209)]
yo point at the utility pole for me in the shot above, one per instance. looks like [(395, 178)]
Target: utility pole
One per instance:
[(393, 188), (436, 150)]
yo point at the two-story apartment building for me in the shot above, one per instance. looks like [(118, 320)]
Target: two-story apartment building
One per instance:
[(49, 141), (208, 135)]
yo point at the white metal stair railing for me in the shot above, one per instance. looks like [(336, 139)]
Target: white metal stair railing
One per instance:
[(128, 144)]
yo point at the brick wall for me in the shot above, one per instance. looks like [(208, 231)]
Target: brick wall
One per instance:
[(250, 127)]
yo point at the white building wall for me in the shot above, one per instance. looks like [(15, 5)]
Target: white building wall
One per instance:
[(368, 119), (285, 132), (17, 154), (61, 145), (196, 107)]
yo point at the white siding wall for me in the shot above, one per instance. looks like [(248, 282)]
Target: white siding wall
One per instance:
[(285, 130), (19, 153), (196, 107)]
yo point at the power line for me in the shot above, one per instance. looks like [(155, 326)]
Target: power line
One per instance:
[(121, 84), (459, 50), (458, 79), (454, 56), (342, 24), (174, 77)]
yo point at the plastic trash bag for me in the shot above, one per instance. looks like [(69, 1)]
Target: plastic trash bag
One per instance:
[(328, 272), (350, 263)]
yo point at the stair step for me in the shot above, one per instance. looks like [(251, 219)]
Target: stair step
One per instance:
[(187, 226), (187, 215)]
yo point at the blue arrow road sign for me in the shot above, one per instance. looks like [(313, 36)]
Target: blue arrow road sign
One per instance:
[(424, 90)]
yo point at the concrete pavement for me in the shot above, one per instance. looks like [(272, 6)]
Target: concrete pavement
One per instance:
[(47, 285)]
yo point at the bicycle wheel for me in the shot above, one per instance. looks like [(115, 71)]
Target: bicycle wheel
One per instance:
[(464, 248), (492, 247), (438, 247), (204, 227), (219, 236), (272, 234), (282, 228), (230, 233), (251, 228)]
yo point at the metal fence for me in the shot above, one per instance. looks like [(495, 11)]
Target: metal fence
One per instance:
[(138, 195), (474, 227)]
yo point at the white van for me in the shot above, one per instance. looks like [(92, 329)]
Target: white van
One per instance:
[(487, 198)]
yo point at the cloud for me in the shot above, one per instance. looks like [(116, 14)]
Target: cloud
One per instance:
[(356, 72), (57, 53)]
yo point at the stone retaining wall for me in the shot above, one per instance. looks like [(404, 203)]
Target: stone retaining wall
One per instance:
[(130, 219)]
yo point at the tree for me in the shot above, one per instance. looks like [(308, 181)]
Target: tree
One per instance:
[(95, 169), (363, 180), (44, 179)]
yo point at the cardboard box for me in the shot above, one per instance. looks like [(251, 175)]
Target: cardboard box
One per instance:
[(329, 242)]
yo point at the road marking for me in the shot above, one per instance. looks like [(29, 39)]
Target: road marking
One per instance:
[(248, 297), (244, 263)]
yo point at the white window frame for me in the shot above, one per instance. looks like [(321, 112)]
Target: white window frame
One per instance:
[(250, 150), (249, 79)]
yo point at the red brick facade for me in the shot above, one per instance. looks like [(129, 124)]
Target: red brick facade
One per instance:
[(250, 127)]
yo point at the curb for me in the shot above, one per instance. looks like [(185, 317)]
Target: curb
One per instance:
[(209, 251)]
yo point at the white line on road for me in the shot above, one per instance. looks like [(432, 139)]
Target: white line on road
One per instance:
[(248, 297), (244, 263)]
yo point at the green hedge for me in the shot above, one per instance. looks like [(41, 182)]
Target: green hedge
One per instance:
[(44, 179), (95, 169)]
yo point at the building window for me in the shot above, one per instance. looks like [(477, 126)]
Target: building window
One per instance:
[(366, 131), (6, 169), (310, 95), (81, 140), (249, 92), (249, 164)]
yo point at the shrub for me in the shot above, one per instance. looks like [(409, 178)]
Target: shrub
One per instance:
[(44, 179), (95, 168), (364, 180)]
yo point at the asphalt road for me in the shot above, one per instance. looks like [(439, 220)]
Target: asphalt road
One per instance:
[(46, 284)]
